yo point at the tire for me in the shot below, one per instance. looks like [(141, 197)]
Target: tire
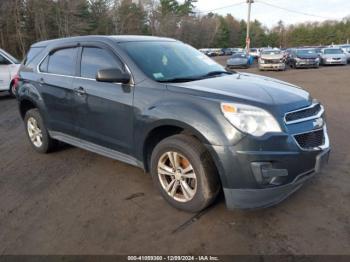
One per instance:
[(12, 91), (38, 136), (191, 154)]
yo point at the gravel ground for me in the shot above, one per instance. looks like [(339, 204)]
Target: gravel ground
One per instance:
[(76, 202)]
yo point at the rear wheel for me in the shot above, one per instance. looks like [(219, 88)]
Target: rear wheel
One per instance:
[(37, 133), (12, 90), (183, 171)]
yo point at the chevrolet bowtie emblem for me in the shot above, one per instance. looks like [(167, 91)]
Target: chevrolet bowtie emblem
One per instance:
[(318, 123)]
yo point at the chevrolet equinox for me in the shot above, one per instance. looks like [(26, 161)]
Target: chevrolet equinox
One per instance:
[(165, 107)]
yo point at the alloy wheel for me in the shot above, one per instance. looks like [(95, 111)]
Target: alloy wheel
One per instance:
[(34, 132), (177, 176)]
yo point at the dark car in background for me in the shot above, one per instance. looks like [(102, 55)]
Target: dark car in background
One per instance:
[(303, 58), (163, 106)]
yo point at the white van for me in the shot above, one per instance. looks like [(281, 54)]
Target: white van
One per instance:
[(8, 70)]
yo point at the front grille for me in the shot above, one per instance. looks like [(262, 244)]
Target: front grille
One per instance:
[(309, 60), (272, 61), (310, 140), (303, 113)]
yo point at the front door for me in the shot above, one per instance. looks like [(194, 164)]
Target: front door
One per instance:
[(104, 110)]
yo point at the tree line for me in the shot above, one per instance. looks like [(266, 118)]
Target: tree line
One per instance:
[(23, 22)]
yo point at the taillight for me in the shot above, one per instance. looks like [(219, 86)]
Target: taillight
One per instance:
[(15, 82)]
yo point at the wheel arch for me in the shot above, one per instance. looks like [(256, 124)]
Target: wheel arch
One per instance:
[(25, 105), (166, 129)]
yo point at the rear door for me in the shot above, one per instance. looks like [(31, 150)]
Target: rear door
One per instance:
[(56, 74), (104, 110), (5, 77)]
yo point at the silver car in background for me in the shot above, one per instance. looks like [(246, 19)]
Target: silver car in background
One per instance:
[(333, 56), (272, 59), (238, 60)]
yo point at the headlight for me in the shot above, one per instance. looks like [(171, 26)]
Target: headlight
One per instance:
[(262, 61), (297, 59), (317, 59), (250, 119)]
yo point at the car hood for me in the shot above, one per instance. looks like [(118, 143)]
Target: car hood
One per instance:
[(272, 94), (314, 56), (271, 56)]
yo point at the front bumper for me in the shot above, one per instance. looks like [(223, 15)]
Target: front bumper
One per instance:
[(265, 197), (306, 64), (280, 66), (335, 62), (263, 172), (233, 66)]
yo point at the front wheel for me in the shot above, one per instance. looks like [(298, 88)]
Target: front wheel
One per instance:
[(184, 172)]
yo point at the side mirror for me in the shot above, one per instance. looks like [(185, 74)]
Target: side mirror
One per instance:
[(112, 75)]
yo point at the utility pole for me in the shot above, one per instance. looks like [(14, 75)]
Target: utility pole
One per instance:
[(248, 25)]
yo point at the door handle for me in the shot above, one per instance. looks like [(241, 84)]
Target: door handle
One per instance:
[(80, 91), (41, 80)]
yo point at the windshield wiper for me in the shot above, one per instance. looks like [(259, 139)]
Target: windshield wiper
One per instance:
[(179, 79), (194, 78), (215, 73)]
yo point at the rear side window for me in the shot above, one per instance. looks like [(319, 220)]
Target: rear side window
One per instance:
[(33, 52), (61, 62), (94, 59)]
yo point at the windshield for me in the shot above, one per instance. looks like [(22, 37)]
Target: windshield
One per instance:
[(333, 51), (239, 56), (306, 52), (271, 52), (164, 61)]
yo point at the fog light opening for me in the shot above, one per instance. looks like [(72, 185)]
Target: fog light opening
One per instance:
[(266, 175)]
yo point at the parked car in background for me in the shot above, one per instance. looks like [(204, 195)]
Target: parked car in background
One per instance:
[(333, 56), (254, 52), (346, 49), (287, 53), (237, 50), (303, 58), (272, 59), (227, 51), (238, 60), (203, 50), (215, 52), (8, 72), (163, 106)]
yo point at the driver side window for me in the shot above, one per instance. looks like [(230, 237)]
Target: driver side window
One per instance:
[(94, 59)]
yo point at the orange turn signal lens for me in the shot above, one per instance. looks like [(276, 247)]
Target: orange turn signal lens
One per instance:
[(229, 108)]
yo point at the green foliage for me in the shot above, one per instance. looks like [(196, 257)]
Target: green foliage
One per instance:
[(223, 34)]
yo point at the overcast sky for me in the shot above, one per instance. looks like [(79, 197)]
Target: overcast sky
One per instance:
[(269, 16)]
